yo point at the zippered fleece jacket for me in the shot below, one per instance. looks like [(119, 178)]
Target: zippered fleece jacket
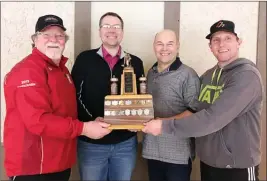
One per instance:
[(91, 75), (227, 125)]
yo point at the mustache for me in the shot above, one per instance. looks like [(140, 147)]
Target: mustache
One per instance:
[(53, 45)]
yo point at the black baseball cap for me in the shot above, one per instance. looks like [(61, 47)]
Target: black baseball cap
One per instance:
[(49, 20), (222, 25)]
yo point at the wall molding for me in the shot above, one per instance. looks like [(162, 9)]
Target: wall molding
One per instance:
[(261, 65), (82, 27), (172, 16), (1, 90)]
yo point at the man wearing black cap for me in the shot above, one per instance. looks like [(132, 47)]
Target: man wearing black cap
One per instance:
[(227, 125), (41, 122)]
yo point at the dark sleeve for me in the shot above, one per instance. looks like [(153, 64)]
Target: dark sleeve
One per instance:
[(78, 74), (238, 96)]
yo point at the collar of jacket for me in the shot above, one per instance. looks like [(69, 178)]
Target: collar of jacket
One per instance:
[(174, 66), (100, 52), (62, 62)]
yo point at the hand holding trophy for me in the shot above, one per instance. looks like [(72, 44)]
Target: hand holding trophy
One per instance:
[(128, 110)]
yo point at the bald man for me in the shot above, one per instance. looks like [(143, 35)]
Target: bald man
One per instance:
[(227, 125), (173, 86)]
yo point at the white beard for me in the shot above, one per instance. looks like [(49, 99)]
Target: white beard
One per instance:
[(54, 53)]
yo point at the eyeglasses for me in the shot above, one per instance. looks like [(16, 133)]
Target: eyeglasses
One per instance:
[(107, 26), (48, 36)]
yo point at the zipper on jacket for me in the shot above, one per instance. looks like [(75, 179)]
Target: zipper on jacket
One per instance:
[(110, 72), (109, 67), (42, 156)]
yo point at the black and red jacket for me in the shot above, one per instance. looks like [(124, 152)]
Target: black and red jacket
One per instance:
[(91, 75)]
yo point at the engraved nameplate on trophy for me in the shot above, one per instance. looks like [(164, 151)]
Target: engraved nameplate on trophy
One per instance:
[(128, 81), (128, 110), (128, 78)]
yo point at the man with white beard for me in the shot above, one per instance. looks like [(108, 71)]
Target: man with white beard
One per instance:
[(41, 122)]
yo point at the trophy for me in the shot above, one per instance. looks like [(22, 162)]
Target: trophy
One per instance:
[(128, 110)]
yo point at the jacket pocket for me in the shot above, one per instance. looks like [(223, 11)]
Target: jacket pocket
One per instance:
[(226, 150)]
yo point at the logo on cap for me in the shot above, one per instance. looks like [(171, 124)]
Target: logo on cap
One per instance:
[(48, 20), (220, 25), (51, 19)]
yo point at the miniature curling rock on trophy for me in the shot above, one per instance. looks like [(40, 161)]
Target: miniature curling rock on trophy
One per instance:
[(128, 110)]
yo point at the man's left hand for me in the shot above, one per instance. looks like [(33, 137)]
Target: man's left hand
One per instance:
[(153, 127)]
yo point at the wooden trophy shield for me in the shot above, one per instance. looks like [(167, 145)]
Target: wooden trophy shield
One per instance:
[(128, 110)]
